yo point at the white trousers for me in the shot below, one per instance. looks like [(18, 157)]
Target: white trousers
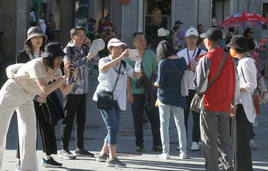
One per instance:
[(14, 97)]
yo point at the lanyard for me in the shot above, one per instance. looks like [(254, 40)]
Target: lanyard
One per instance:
[(190, 62)]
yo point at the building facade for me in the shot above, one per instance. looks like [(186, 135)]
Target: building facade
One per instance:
[(138, 15)]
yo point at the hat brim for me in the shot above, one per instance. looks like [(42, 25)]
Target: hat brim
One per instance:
[(34, 35), (116, 44), (231, 45), (191, 35)]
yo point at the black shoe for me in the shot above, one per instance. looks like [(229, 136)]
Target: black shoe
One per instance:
[(50, 163), (102, 158), (157, 148), (83, 153), (115, 162), (67, 155)]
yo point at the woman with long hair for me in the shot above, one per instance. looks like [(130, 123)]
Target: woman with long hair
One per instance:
[(24, 83)]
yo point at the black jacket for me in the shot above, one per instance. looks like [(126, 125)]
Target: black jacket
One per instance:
[(23, 57)]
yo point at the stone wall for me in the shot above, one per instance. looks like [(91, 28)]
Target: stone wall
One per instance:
[(13, 19)]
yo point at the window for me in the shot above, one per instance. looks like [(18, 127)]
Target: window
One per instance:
[(265, 14), (157, 15), (81, 12)]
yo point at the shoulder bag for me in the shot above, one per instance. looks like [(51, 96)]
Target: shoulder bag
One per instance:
[(105, 98), (196, 101)]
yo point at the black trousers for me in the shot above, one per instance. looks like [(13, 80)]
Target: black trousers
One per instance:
[(196, 118), (74, 107), (243, 161), (138, 113), (47, 132)]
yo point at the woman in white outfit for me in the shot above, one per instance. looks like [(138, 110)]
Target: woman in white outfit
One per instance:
[(245, 112), (24, 83)]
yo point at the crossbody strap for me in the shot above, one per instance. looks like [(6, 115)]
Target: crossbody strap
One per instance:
[(117, 77), (198, 53), (177, 70), (219, 70), (242, 69)]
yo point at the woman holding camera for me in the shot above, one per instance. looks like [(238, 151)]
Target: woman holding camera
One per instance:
[(113, 76), (26, 81)]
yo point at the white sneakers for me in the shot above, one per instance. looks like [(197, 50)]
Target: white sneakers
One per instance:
[(182, 156), (195, 146), (163, 156)]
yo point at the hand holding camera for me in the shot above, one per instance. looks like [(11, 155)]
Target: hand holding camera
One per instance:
[(70, 71)]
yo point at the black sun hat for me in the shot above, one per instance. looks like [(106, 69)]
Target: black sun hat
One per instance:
[(239, 42), (53, 50)]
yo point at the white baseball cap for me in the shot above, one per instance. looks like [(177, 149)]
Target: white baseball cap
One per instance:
[(115, 42), (191, 31)]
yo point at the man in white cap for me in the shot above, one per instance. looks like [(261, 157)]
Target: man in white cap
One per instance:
[(191, 53)]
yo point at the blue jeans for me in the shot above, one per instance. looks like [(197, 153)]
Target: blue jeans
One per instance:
[(164, 113), (111, 119)]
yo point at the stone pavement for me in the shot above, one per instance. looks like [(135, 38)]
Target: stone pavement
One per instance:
[(96, 131)]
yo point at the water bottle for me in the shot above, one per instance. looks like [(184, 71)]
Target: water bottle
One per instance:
[(138, 64)]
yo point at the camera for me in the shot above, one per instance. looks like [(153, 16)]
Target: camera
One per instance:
[(71, 80)]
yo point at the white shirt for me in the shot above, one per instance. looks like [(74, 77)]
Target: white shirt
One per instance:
[(26, 74), (247, 73), (189, 74), (107, 82), (42, 25), (33, 17)]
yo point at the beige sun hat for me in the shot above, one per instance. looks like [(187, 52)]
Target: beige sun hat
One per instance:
[(34, 31)]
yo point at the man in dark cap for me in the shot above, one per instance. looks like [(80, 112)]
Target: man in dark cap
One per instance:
[(215, 79)]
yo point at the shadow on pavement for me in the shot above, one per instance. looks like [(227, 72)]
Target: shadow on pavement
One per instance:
[(160, 165)]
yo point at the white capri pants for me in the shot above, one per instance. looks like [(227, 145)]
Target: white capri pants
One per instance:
[(14, 97)]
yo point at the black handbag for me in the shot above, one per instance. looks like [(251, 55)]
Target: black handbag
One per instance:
[(196, 101), (105, 98)]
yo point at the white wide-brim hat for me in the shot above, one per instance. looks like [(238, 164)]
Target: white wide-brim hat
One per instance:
[(114, 42)]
